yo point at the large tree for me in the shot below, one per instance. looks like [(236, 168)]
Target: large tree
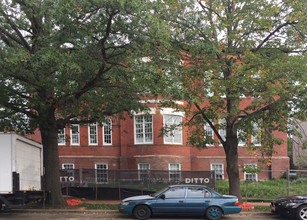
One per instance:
[(77, 61), (235, 50)]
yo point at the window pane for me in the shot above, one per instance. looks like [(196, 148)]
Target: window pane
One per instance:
[(209, 134), (172, 123), (241, 137), (101, 173), (251, 176), (175, 193), (93, 134), (107, 132), (144, 171), (69, 169), (219, 170), (143, 129), (174, 172), (256, 138), (75, 134), (194, 192), (222, 130), (61, 136)]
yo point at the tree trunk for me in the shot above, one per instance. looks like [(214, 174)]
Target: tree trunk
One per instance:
[(233, 170), (49, 133)]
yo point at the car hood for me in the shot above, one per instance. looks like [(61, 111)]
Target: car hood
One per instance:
[(286, 198), (133, 198)]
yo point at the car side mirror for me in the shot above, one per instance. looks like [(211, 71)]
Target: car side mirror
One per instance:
[(162, 196)]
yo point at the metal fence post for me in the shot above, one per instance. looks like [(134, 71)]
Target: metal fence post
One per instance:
[(288, 182), (119, 196), (96, 193), (80, 176)]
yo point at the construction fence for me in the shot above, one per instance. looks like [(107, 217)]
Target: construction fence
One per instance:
[(95, 184), (118, 184)]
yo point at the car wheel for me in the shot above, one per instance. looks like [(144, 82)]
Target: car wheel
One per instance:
[(301, 213), (214, 213), (142, 212)]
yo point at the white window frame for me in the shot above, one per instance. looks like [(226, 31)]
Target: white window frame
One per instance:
[(106, 170), (74, 134), (254, 175), (93, 134), (176, 172), (70, 168), (213, 167), (143, 126), (143, 170), (61, 136), (209, 132), (107, 132), (256, 128), (168, 137)]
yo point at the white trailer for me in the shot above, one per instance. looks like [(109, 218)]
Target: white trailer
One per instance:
[(21, 170)]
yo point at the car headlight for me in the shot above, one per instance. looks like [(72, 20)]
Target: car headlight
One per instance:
[(125, 203), (290, 204)]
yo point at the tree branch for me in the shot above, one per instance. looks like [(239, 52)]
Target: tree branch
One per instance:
[(210, 123), (20, 40), (273, 33), (20, 110)]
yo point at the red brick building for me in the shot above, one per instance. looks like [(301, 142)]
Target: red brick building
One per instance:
[(137, 144)]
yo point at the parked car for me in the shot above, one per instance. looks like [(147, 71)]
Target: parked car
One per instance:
[(181, 200), (295, 206)]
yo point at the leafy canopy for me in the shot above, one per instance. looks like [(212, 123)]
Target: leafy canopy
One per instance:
[(245, 63), (81, 59)]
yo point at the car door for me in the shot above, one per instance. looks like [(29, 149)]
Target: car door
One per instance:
[(197, 200), (171, 201)]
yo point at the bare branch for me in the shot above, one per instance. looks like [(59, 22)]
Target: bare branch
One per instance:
[(205, 8), (273, 33), (20, 40)]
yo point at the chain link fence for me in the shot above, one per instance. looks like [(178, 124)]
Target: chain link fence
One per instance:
[(118, 184), (106, 184)]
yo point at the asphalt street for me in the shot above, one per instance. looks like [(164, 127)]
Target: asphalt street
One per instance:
[(115, 215)]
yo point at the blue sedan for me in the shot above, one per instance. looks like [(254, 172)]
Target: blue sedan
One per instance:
[(181, 200)]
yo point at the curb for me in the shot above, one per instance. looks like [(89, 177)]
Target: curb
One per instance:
[(115, 211), (64, 210)]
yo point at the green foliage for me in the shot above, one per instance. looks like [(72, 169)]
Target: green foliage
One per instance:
[(242, 51), (262, 208), (292, 176), (245, 67), (268, 189), (79, 61), (251, 169), (86, 59)]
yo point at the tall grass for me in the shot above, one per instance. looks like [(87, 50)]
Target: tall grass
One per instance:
[(268, 189)]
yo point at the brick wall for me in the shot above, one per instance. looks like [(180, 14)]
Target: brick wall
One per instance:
[(125, 154)]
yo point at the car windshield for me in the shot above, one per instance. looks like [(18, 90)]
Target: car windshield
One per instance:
[(159, 192)]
